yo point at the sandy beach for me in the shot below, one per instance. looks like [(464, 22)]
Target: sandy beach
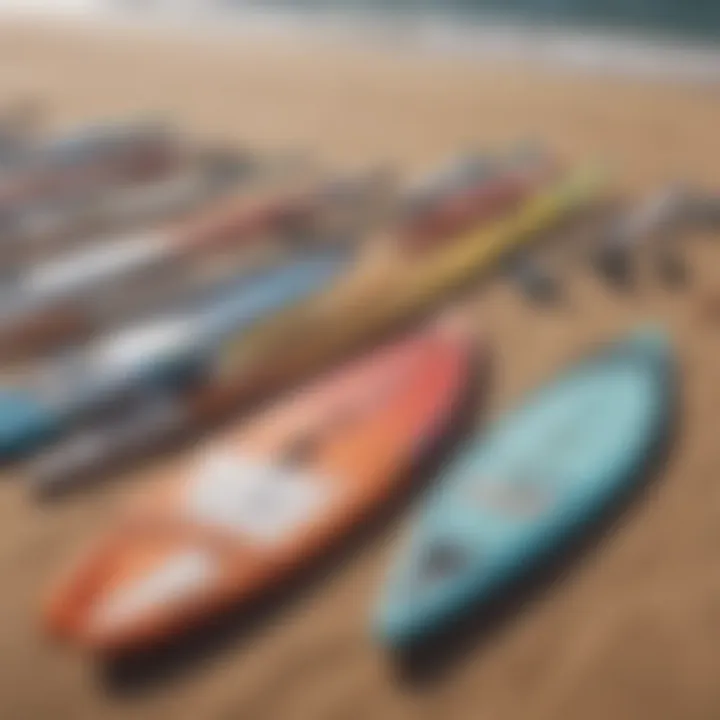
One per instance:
[(629, 627)]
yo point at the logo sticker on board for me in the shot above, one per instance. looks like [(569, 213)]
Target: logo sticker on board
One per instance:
[(264, 501)]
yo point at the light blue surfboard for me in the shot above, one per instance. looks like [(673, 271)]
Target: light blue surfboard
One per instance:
[(152, 355), (518, 493)]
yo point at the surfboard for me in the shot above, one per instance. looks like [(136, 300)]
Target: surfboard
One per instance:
[(86, 158), (455, 174), (524, 488), (257, 504), (383, 294), (477, 193), (161, 352), (371, 300), (68, 297), (46, 230)]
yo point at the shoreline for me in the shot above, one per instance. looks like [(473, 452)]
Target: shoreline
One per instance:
[(623, 53)]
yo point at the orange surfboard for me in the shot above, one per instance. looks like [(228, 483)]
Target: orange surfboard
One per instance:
[(264, 499)]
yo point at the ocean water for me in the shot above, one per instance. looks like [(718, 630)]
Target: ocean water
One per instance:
[(662, 38), (686, 19)]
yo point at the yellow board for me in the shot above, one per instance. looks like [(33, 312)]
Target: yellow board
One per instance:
[(382, 292)]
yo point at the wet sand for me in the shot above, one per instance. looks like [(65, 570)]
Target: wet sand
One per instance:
[(629, 626)]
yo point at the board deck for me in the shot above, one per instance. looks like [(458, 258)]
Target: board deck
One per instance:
[(518, 493), (265, 498), (160, 352)]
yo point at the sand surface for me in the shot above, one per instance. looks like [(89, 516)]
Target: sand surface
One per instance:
[(631, 628)]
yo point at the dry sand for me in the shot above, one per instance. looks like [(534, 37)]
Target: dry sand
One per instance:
[(631, 629)]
